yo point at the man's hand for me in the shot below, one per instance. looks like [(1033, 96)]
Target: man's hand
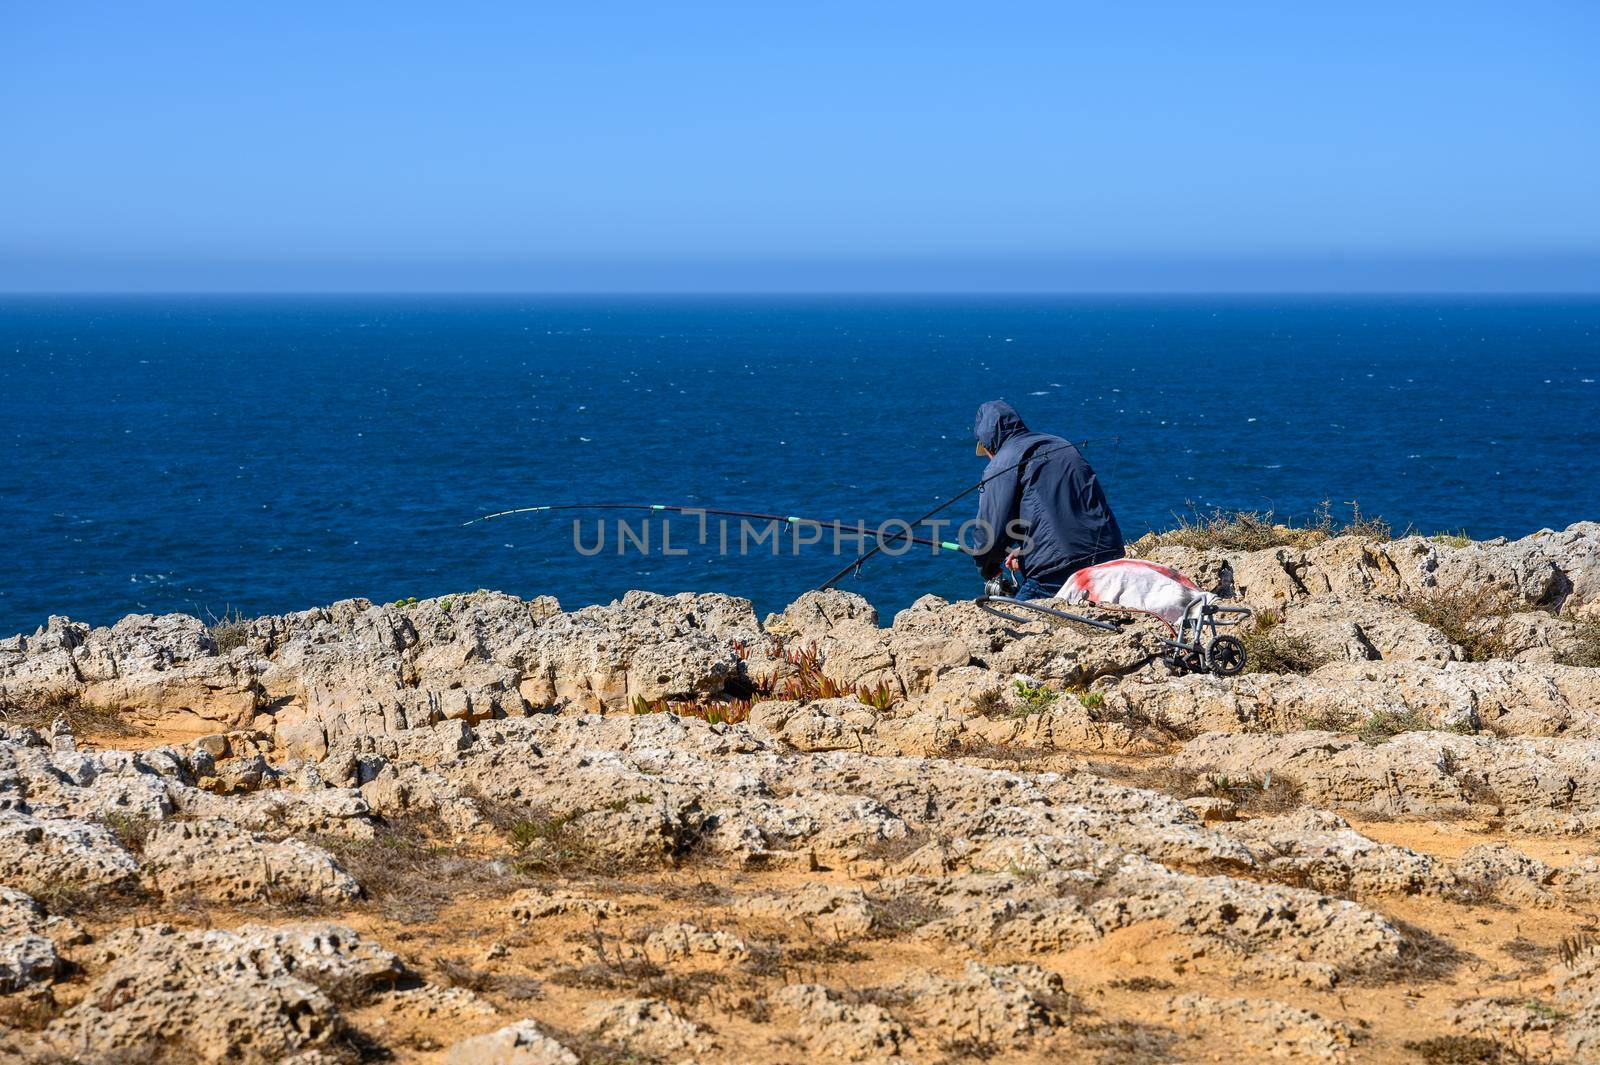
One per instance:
[(1013, 562)]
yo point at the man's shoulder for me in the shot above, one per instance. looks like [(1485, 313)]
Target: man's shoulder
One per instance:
[(1022, 443), (1041, 444)]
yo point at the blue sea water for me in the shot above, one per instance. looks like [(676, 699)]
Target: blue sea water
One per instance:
[(267, 454)]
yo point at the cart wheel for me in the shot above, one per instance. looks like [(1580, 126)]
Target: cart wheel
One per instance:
[(1226, 655)]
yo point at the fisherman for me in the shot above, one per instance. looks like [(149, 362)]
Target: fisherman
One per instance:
[(1046, 519)]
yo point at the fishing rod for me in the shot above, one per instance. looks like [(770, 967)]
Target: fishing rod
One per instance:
[(1032, 453), (784, 519)]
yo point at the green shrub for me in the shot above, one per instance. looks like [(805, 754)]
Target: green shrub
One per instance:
[(1386, 724), (1032, 698), (130, 829)]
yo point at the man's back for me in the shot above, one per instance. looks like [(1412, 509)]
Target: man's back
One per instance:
[(1054, 492)]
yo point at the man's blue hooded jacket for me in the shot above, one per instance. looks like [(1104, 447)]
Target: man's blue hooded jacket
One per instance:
[(1055, 493)]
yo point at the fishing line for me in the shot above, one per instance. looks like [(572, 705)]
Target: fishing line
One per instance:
[(783, 519)]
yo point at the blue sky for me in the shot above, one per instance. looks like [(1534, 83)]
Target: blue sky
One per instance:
[(820, 146)]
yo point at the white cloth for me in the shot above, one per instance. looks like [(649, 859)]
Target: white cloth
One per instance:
[(1137, 585)]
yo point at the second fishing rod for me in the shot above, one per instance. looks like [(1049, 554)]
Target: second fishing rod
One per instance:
[(859, 529)]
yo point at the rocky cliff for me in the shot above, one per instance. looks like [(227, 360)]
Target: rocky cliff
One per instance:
[(481, 829)]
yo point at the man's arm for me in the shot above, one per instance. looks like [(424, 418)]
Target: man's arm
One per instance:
[(997, 505)]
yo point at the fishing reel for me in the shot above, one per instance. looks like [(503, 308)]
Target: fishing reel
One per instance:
[(1001, 586)]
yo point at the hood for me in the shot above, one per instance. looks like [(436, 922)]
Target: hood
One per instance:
[(997, 423)]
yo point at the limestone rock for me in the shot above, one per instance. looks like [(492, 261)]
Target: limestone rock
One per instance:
[(835, 1028), (835, 912), (649, 1025), (533, 904), (215, 859), (430, 1002), (38, 854), (1213, 808), (523, 1043), (814, 614), (1275, 1029), (256, 995), (1541, 782), (1321, 850), (681, 941), (1009, 1005), (28, 942), (1356, 630), (824, 725)]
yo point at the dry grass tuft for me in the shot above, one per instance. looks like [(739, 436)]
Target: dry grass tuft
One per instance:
[(606, 965), (41, 711), (1143, 983), (451, 972), (990, 703), (1464, 1050), (1250, 530), (71, 899), (1527, 951), (1424, 958), (547, 844), (969, 1048), (1265, 794), (894, 848), (410, 870), (27, 1011), (131, 830), (1577, 947), (229, 631), (1473, 619), (1586, 647), (1385, 725), (1126, 1042), (897, 914), (1270, 648), (593, 1048)]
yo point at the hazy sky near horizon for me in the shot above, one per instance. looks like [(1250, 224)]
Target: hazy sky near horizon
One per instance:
[(824, 146)]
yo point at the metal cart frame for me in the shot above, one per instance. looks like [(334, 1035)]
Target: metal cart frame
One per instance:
[(1196, 647)]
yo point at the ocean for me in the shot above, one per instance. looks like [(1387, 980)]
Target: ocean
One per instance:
[(214, 454)]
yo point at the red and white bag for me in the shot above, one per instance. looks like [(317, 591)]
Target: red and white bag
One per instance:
[(1137, 585)]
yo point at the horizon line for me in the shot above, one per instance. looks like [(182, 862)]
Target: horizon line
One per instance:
[(829, 293)]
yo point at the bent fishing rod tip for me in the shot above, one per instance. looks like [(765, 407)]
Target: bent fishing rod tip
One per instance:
[(503, 513)]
